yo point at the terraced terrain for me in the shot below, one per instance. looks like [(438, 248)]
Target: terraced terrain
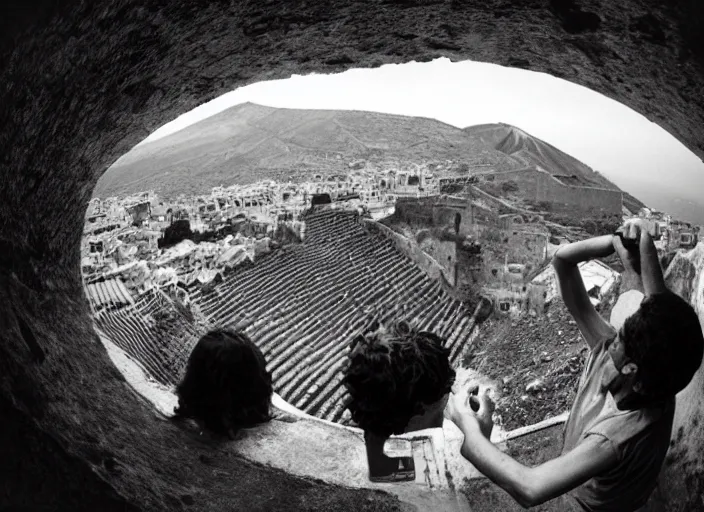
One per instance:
[(154, 333), (301, 305)]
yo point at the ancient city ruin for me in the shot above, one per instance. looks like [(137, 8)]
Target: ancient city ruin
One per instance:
[(84, 83), (256, 256)]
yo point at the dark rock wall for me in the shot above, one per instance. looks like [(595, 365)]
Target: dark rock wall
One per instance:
[(82, 81)]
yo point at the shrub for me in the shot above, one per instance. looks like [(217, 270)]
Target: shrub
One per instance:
[(492, 235), (509, 186), (601, 224), (491, 188), (565, 219), (452, 188), (589, 226)]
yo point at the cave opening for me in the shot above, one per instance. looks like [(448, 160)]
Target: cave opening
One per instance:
[(48, 190)]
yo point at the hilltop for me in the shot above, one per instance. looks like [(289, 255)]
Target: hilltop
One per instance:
[(250, 142), (532, 151)]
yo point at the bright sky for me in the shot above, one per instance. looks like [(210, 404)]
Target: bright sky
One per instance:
[(637, 155)]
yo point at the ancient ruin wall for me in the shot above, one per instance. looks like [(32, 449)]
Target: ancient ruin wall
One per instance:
[(570, 197), (540, 185), (413, 251), (436, 211), (82, 82), (415, 211)]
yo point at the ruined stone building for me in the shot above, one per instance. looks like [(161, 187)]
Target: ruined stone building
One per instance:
[(563, 193), (83, 82)]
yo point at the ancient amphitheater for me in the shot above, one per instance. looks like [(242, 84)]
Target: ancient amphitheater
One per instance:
[(301, 305), (82, 82)]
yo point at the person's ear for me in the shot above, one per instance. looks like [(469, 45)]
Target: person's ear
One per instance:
[(629, 369)]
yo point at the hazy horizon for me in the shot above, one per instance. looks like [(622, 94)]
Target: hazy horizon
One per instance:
[(636, 154)]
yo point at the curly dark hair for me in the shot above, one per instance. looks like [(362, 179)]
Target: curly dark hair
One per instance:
[(226, 385), (393, 375), (664, 338)]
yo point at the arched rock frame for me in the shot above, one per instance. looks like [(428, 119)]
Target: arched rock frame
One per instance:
[(82, 82)]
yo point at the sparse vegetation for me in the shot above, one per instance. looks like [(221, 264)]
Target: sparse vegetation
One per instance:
[(492, 236), (509, 186), (595, 223), (491, 187)]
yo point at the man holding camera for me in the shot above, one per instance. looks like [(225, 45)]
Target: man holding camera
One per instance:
[(620, 424)]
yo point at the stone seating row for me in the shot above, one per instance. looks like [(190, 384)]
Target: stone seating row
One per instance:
[(301, 305)]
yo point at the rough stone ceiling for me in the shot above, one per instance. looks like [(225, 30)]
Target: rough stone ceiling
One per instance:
[(82, 82)]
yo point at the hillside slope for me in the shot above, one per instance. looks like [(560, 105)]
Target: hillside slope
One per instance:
[(532, 151), (249, 142)]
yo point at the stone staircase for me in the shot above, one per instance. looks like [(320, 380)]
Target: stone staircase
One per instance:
[(301, 305)]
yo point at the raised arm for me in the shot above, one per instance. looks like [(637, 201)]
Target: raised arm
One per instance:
[(529, 486), (643, 256), (651, 273), (592, 326)]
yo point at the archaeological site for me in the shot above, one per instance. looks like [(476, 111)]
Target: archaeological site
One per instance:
[(109, 275)]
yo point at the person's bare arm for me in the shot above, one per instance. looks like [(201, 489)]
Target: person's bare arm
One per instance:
[(640, 233), (651, 273), (529, 486), (592, 326), (630, 277)]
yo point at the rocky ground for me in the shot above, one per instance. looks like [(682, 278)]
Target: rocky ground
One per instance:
[(538, 360)]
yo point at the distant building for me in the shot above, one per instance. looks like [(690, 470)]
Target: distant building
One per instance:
[(598, 280), (139, 212)]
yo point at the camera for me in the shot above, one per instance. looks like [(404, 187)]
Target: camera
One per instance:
[(629, 243)]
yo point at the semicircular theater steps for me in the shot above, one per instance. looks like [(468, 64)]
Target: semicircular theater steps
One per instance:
[(301, 305)]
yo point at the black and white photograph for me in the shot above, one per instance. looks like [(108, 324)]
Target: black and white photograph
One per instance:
[(352, 255)]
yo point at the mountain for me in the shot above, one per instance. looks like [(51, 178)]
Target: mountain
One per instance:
[(249, 142), (531, 151)]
